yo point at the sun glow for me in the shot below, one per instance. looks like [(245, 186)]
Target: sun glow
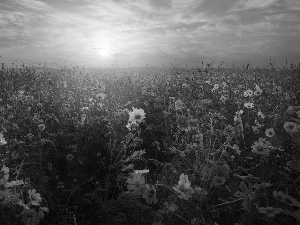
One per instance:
[(105, 52)]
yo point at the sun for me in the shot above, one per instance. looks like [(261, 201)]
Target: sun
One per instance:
[(105, 52)]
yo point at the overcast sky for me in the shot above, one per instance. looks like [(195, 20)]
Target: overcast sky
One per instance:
[(153, 32)]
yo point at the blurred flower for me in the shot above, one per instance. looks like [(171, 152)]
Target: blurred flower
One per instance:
[(184, 187), (257, 91), (36, 119), (128, 167), (141, 171), (132, 126), (206, 171), (41, 127), (290, 110), (101, 95), (100, 105), (5, 172), (60, 185), (248, 93), (260, 114), (150, 195), (171, 206), (50, 166), (157, 218), (185, 85), (45, 179), (30, 216), (270, 132), (216, 87), (35, 198), (220, 170), (291, 127), (136, 115), (70, 157), (249, 105), (277, 90), (287, 199), (219, 180), (239, 194), (84, 109), (13, 183), (179, 104), (2, 140), (237, 149), (182, 122), (136, 181), (270, 211), (223, 98)]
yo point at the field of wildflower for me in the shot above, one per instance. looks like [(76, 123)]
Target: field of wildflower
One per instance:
[(206, 146)]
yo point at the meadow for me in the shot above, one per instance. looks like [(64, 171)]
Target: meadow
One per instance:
[(176, 146)]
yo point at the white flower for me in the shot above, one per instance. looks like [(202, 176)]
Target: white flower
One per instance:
[(2, 139), (136, 183), (35, 198), (179, 104), (101, 95), (291, 127), (249, 105), (184, 187), (248, 93), (270, 132), (216, 86), (261, 147), (136, 115)]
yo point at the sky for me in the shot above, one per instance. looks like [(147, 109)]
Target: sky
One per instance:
[(107, 33)]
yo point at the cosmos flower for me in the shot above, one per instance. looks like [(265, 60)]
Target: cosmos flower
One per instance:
[(269, 211), (5, 171), (101, 95), (136, 183), (261, 147), (248, 93), (132, 126), (287, 199), (171, 206), (185, 85), (270, 132), (277, 90), (291, 127), (70, 157), (35, 198), (216, 86), (260, 114), (183, 122), (184, 187), (257, 91), (136, 115), (179, 104), (249, 105), (2, 140), (150, 195), (41, 127), (223, 98), (219, 180)]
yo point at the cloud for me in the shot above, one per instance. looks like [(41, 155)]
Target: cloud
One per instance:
[(161, 4), (148, 31), (250, 4)]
